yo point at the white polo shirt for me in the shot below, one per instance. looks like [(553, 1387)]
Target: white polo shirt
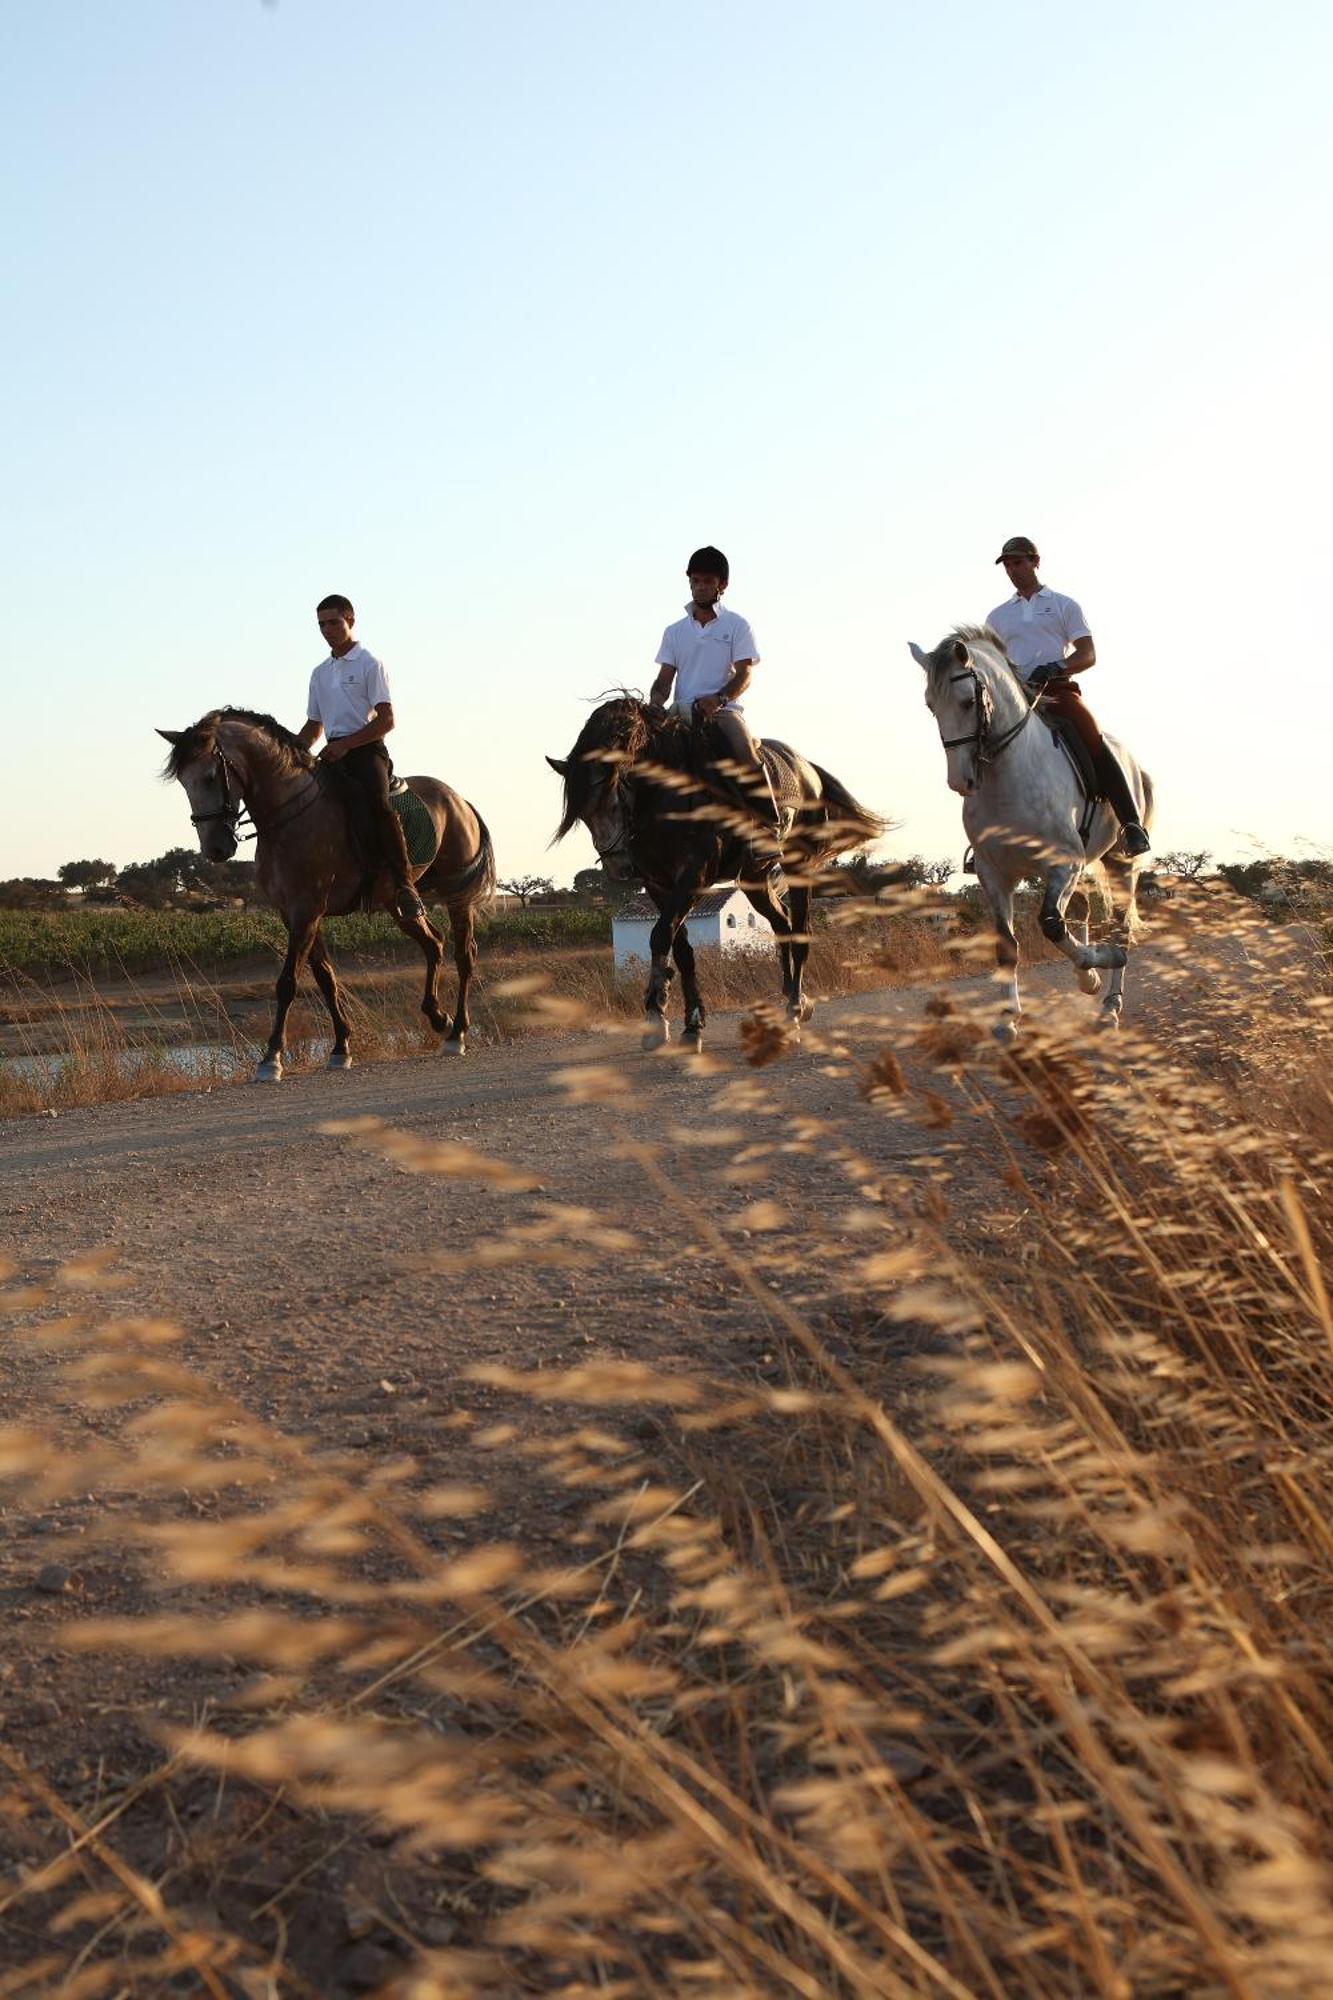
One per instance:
[(344, 693), (1038, 629), (704, 655)]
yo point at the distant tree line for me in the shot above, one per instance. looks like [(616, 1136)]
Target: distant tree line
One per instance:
[(1273, 879), (179, 879)]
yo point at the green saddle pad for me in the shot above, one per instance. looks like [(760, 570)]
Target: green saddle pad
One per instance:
[(418, 827)]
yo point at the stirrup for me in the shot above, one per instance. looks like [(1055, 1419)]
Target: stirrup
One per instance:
[(1135, 838), (407, 903)]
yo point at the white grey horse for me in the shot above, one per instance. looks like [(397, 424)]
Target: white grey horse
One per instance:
[(1022, 811)]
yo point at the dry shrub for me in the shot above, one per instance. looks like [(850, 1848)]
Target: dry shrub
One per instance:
[(983, 1649)]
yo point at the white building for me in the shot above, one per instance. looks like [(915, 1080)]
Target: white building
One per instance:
[(724, 918)]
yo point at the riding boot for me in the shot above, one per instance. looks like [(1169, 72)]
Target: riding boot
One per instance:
[(1115, 790), (767, 845), (406, 902)]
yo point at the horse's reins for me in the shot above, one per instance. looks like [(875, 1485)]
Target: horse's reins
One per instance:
[(986, 752), (235, 811)]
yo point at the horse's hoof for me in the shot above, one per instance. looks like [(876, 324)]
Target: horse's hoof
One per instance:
[(692, 1041), (1108, 1020), (656, 1032), (1006, 1032), (269, 1072), (454, 1045), (1089, 981), (339, 1059)]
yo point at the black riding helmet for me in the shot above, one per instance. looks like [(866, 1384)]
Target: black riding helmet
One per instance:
[(709, 561)]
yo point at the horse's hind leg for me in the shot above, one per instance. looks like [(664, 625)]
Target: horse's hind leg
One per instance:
[(463, 926), (787, 923), (432, 950), (301, 936), (1122, 880), (327, 981)]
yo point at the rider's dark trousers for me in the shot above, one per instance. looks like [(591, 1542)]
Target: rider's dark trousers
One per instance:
[(1062, 697), (368, 768)]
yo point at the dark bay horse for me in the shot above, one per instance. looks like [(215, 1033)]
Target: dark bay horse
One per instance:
[(653, 792), (309, 865)]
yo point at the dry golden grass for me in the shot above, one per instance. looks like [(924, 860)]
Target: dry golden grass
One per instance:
[(986, 1650), (89, 1041)]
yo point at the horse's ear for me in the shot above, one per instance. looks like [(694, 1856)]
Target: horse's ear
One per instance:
[(172, 736), (922, 659), (558, 765), (961, 654)]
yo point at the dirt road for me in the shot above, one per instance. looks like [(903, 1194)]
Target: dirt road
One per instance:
[(294, 1264), (291, 1258)]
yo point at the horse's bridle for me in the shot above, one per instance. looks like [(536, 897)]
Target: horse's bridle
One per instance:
[(983, 748), (234, 809), (626, 840)]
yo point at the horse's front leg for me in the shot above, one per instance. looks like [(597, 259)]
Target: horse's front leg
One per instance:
[(696, 1014), (998, 890), (661, 944), (1089, 979), (1060, 886), (301, 935)]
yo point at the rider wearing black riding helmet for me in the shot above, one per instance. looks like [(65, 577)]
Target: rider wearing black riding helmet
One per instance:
[(710, 655)]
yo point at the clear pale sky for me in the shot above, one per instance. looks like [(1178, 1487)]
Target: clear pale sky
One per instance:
[(487, 316)]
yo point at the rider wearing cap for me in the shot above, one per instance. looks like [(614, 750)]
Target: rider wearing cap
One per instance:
[(710, 654), (1037, 625), (350, 704)]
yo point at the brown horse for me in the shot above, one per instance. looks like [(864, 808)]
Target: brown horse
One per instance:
[(309, 865)]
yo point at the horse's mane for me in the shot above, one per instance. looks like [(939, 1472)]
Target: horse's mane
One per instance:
[(201, 739), (625, 725), (943, 661)]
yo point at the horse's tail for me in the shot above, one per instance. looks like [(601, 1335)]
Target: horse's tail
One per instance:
[(475, 883), (486, 864), (848, 822)]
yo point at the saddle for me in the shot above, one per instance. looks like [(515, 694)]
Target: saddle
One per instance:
[(416, 822), (779, 761), (1080, 761)]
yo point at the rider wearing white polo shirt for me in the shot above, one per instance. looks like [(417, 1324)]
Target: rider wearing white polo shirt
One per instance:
[(349, 702), (710, 654), (1047, 640)]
